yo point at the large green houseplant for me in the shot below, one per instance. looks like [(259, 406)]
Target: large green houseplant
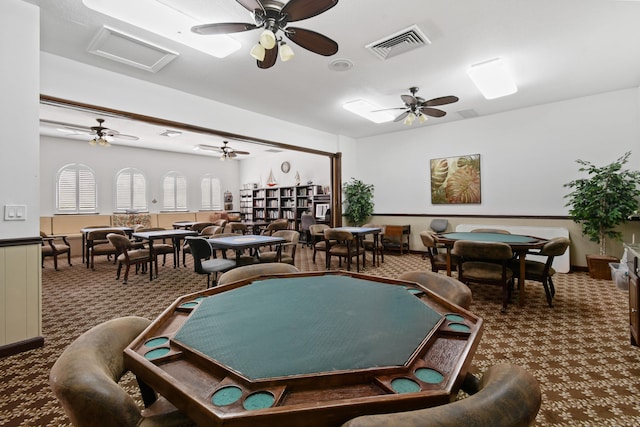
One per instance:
[(358, 201), (603, 200)]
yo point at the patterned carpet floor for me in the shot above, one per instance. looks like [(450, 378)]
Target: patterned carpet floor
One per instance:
[(579, 350)]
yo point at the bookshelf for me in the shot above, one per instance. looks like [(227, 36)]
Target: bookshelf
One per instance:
[(267, 204)]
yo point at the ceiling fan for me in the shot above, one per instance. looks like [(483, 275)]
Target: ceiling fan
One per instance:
[(225, 151), (100, 133), (417, 107), (273, 16)]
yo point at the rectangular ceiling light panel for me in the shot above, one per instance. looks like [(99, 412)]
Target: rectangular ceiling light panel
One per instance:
[(130, 50), (492, 78)]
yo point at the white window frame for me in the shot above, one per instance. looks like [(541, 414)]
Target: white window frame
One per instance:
[(174, 192), (135, 198), (210, 193), (81, 194)]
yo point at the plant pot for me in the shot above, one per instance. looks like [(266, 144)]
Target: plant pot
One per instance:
[(599, 266)]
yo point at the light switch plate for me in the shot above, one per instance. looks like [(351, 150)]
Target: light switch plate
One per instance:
[(15, 212)]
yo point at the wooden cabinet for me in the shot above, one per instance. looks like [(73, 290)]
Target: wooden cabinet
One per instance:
[(246, 205), (634, 295)]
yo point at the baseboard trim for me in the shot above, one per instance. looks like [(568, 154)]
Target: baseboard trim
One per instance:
[(21, 346)]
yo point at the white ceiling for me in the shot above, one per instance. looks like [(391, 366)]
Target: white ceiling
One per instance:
[(556, 50)]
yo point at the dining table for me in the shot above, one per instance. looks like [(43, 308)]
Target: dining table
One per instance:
[(359, 233), (176, 235), (520, 245), (243, 242), (305, 349)]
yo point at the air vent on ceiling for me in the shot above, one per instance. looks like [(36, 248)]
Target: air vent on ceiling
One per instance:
[(403, 41), (468, 114), (121, 47)]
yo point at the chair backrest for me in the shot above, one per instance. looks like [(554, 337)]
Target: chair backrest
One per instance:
[(338, 235), (121, 243), (447, 287), (439, 225), (220, 222), (278, 224), (318, 229), (211, 230), (292, 237), (485, 251), (427, 239), (306, 221), (198, 226), (506, 396), (236, 227), (200, 249), (555, 247), (490, 230), (246, 271), (393, 233), (102, 234), (85, 376)]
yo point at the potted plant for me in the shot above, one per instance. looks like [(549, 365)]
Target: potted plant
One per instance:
[(358, 201), (601, 202)]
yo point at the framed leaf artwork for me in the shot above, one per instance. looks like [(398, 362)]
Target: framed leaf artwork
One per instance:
[(456, 180)]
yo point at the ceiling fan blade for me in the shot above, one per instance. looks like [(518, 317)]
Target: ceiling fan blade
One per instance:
[(241, 152), (251, 5), (231, 154), (123, 136), (222, 28), (387, 109), (270, 57), (442, 100), (401, 117), (409, 100), (310, 40), (297, 10), (433, 112)]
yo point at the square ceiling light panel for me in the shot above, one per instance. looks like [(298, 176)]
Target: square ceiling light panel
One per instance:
[(130, 50), (170, 22)]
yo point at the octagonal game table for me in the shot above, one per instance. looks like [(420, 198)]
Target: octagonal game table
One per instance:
[(305, 349), (519, 244)]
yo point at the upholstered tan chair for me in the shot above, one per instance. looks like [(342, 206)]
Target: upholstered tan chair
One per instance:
[(98, 244), (164, 247), (275, 225), (317, 236), (247, 271), (543, 271), (85, 380), (369, 240), (345, 246), (447, 287), (52, 246), (505, 396), (285, 252), (128, 255), (490, 230), (437, 258), (486, 263)]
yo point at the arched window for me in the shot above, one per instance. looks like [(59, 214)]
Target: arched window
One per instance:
[(131, 191), (76, 190), (174, 189), (211, 196)]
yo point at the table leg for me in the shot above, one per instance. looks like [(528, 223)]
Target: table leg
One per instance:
[(151, 255), (84, 242), (522, 256), (176, 251), (448, 260)]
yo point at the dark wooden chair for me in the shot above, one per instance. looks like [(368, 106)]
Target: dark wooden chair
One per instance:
[(505, 396), (52, 246), (394, 238), (85, 380), (543, 271), (341, 244), (128, 255), (285, 252), (485, 263)]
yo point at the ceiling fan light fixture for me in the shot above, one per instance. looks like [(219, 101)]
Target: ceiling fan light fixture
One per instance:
[(492, 78), (268, 39), (258, 52), (286, 53), (409, 119), (422, 118)]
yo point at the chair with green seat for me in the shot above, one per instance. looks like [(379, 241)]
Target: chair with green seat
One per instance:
[(285, 252), (506, 396), (543, 271), (485, 263), (205, 260), (447, 287), (85, 381), (262, 269)]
